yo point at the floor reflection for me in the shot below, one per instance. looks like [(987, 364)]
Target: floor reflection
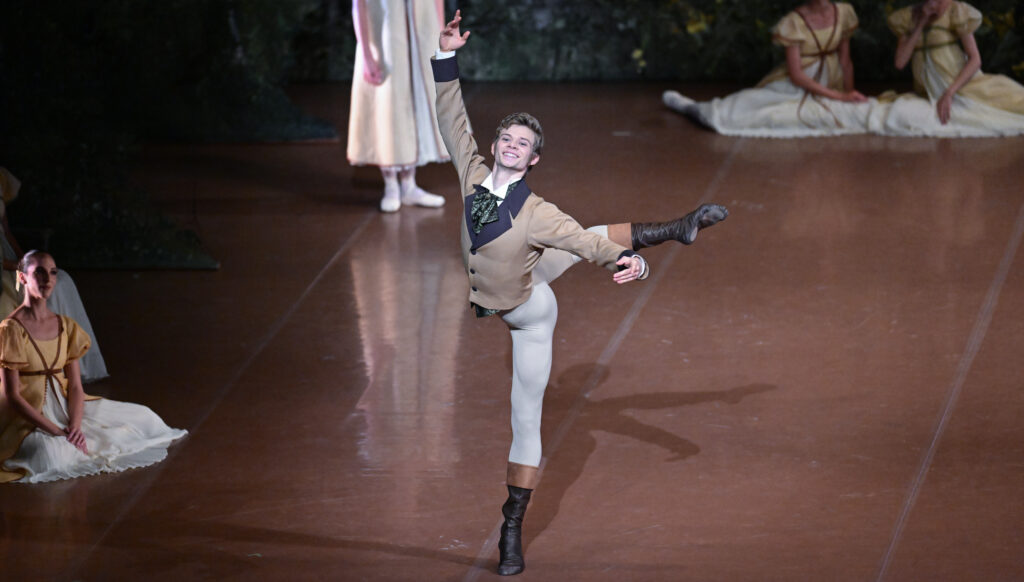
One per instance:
[(410, 295), (57, 526)]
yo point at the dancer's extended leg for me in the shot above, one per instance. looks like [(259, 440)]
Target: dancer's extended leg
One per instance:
[(684, 229)]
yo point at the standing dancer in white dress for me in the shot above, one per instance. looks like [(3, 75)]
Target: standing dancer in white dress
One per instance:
[(392, 122), (811, 94), (49, 428), (952, 98)]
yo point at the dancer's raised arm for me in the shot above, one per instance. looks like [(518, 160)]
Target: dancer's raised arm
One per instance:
[(450, 38), (924, 14)]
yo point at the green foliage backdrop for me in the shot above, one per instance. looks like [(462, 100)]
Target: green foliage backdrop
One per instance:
[(684, 40)]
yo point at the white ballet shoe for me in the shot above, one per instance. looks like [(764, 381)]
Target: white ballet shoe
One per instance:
[(391, 201), (677, 101), (420, 197)]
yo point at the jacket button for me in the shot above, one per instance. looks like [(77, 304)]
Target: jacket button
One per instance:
[(474, 289), (472, 271)]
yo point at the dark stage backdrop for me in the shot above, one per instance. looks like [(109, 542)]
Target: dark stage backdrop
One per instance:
[(683, 40), (83, 82)]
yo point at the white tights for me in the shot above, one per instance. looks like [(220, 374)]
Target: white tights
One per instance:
[(532, 325)]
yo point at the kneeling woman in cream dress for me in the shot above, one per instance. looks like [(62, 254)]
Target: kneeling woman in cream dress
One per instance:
[(811, 94), (953, 97), (49, 428)]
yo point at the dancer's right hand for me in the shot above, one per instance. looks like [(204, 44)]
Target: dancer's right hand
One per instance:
[(854, 97), (450, 38), (371, 71)]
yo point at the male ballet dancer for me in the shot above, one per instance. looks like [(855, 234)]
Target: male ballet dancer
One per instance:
[(514, 244)]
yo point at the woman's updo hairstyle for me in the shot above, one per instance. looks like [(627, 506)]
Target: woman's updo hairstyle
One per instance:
[(23, 263)]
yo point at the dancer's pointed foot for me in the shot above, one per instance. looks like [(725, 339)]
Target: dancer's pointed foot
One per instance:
[(677, 101), (684, 230), (706, 215), (419, 197)]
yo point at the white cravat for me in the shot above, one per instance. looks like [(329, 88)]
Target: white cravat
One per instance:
[(501, 191)]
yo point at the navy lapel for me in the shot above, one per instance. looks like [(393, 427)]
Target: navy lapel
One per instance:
[(507, 210)]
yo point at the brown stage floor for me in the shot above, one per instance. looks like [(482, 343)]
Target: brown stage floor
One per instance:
[(827, 386)]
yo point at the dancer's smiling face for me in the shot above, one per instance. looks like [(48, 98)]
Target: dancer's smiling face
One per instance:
[(514, 148)]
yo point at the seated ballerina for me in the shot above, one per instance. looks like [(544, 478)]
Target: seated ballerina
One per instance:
[(952, 98), (64, 300), (49, 428), (811, 94)]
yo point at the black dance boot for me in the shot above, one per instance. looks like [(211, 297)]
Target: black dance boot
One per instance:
[(510, 546), (684, 230)]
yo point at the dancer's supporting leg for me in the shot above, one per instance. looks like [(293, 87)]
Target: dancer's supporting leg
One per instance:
[(532, 325), (413, 194)]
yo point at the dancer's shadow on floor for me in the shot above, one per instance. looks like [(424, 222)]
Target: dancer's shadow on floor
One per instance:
[(609, 415)]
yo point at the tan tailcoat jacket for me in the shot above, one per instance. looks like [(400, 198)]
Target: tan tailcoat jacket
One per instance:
[(500, 258)]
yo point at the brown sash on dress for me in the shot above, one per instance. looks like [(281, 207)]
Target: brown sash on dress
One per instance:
[(51, 371), (926, 48), (821, 54)]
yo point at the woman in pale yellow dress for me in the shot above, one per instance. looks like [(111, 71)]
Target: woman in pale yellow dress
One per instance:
[(811, 94), (64, 299), (953, 97), (49, 428)]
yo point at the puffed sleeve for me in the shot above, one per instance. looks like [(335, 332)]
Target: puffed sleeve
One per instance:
[(12, 346), (9, 186), (78, 340), (847, 19), (901, 21), (788, 31), (964, 18)]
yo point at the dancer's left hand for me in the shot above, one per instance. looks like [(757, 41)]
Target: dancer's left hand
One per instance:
[(632, 272), (75, 437), (943, 107)]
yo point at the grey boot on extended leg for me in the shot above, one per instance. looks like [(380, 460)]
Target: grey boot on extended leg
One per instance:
[(510, 545), (684, 230)]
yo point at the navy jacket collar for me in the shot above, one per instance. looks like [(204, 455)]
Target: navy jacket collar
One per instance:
[(507, 210)]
